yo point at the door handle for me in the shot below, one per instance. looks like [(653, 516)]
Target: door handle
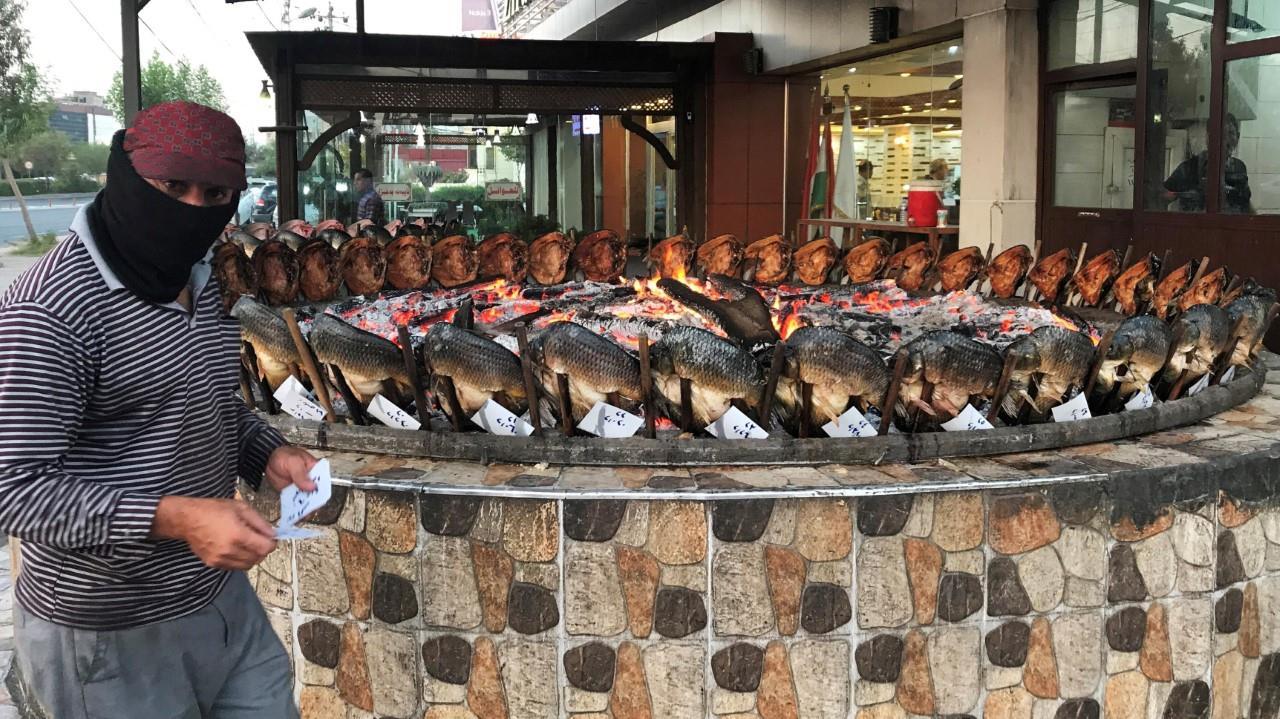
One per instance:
[(1087, 213)]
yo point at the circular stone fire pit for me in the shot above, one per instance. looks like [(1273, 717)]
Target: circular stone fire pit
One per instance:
[(1136, 577)]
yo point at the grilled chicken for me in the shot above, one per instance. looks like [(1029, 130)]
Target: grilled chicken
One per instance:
[(549, 258), (364, 266), (1206, 291), (1172, 285), (770, 259), (1008, 269), (234, 272), (670, 258), (601, 255), (722, 255), (1135, 285), (1051, 273), (909, 267), (1094, 279), (276, 267), (453, 261), (960, 268), (408, 263), (865, 262), (321, 274), (503, 255), (815, 259)]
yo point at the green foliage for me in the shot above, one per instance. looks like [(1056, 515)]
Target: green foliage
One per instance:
[(27, 186), (24, 98), (47, 152), (162, 82), (38, 246), (457, 193), (261, 159), (91, 158), (457, 176)]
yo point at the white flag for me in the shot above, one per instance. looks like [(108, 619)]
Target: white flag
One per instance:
[(845, 201)]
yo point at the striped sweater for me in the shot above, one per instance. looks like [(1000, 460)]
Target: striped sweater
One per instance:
[(108, 403)]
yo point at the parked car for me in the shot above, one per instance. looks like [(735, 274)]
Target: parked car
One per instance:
[(247, 200), (264, 207), (428, 211)]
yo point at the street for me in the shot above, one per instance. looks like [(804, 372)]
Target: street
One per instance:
[(48, 213)]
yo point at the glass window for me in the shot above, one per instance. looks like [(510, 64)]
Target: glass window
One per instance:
[(1253, 20), (1094, 147), (1251, 136), (1178, 90), (1089, 32)]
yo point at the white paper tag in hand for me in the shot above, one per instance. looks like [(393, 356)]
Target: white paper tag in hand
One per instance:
[(1143, 399), (850, 424), (1201, 385), (1076, 408), (736, 425), (605, 420), (496, 419), (386, 412), (969, 418), (293, 400), (296, 504), (288, 533)]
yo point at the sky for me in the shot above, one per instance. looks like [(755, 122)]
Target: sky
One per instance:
[(65, 40)]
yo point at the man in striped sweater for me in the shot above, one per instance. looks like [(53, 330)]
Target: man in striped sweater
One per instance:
[(121, 440)]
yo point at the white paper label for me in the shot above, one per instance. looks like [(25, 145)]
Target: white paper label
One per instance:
[(850, 424), (736, 425), (293, 400), (605, 420), (1143, 399), (496, 419), (1076, 408), (1229, 375), (969, 418), (386, 412), (1201, 385), (296, 504)]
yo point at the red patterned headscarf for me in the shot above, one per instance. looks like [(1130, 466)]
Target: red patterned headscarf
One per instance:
[(184, 141)]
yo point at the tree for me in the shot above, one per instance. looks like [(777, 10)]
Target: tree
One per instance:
[(162, 82), (24, 99), (261, 158), (91, 158), (47, 152)]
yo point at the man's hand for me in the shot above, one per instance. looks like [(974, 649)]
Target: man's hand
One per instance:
[(224, 533), (289, 465)]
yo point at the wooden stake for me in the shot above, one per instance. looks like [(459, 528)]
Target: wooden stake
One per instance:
[(268, 402), (309, 364), (1099, 354), (646, 388), (1231, 287), (806, 408), (1223, 361), (1200, 272), (1035, 258), (771, 385), (891, 394), (1002, 388), (354, 409), (926, 398), (1128, 252), (1177, 386), (530, 386), (1164, 266), (686, 405), (415, 377), (566, 404), (455, 407), (245, 391)]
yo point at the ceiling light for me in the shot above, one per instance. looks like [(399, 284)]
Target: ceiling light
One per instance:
[(904, 74), (951, 102), (906, 108), (857, 107), (960, 76), (266, 90), (928, 104), (853, 69), (953, 49), (531, 119)]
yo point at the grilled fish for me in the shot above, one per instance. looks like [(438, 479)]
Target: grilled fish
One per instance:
[(1171, 286), (909, 266), (376, 233), (595, 366), (292, 239), (670, 258), (354, 228), (721, 255), (1056, 359), (719, 371), (602, 256), (1051, 273), (323, 225), (408, 262), (960, 268), (549, 258), (503, 255), (261, 230), (1135, 285), (336, 237), (1095, 277), (366, 360), (815, 259), (266, 331), (481, 369), (865, 262), (364, 266), (321, 276), (959, 369), (454, 261), (234, 272), (1203, 332), (1248, 315), (277, 270), (1206, 291), (769, 259), (1137, 352), (1008, 269), (840, 369), (297, 227), (245, 240)]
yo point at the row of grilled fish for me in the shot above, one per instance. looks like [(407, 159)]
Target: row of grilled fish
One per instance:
[(943, 370)]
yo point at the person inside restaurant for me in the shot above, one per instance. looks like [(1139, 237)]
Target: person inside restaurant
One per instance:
[(1186, 186)]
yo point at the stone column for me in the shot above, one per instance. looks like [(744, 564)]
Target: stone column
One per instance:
[(1001, 77)]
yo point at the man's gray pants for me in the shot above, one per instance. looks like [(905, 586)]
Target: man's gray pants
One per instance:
[(223, 661)]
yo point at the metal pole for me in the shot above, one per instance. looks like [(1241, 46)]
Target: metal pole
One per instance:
[(132, 70)]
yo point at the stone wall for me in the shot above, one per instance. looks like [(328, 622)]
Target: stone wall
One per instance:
[(1068, 602)]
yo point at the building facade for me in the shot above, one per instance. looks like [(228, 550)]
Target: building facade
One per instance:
[(83, 117)]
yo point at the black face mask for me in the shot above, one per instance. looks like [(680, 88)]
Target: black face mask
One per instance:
[(150, 240)]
